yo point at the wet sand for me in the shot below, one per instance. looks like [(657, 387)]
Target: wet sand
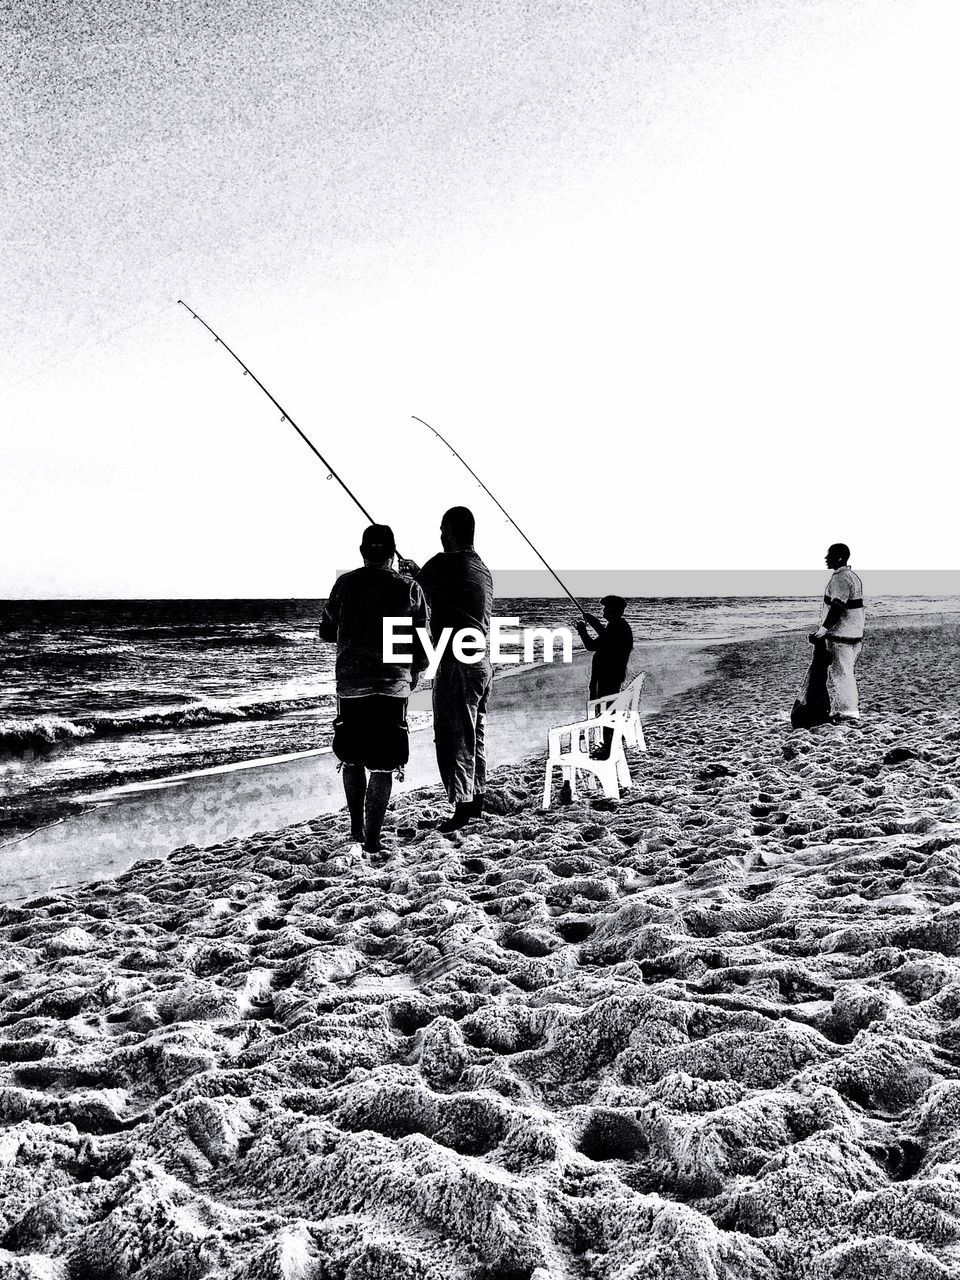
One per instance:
[(151, 820), (709, 1032)]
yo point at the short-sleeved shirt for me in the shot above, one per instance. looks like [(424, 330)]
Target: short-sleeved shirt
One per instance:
[(353, 617), (459, 591), (845, 588)]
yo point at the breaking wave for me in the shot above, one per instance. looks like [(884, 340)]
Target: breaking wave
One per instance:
[(46, 733), (43, 733)]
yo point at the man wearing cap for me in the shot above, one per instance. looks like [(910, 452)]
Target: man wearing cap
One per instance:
[(611, 649), (370, 731), (459, 591)]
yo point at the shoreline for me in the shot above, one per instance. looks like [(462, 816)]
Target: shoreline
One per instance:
[(152, 820), (707, 1030), (116, 827), (52, 807)]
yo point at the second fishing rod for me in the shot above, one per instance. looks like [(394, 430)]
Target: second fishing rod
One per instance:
[(490, 495)]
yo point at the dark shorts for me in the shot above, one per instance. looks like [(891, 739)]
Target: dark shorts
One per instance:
[(372, 731)]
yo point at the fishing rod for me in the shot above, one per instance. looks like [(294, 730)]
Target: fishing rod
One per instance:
[(459, 458), (284, 416)]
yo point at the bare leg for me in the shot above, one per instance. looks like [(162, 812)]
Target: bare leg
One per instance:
[(354, 788), (378, 797)]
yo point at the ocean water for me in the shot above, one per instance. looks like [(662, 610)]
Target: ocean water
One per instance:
[(94, 695)]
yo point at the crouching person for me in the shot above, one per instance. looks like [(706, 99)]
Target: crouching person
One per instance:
[(370, 736)]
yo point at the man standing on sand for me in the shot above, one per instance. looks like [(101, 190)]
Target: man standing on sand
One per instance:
[(459, 591), (611, 652), (829, 690), (370, 731)]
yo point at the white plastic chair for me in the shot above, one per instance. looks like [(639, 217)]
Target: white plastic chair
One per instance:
[(612, 773), (633, 729)]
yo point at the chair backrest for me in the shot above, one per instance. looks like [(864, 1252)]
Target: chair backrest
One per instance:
[(621, 708), (624, 705), (634, 689)]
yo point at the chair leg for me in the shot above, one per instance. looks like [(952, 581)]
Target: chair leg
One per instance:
[(623, 773), (608, 780), (547, 785), (641, 743)]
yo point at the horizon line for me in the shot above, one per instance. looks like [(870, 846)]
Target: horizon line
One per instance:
[(634, 583)]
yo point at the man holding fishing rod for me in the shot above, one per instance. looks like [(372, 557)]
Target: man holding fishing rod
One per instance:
[(459, 591), (611, 648), (372, 691), (370, 737)]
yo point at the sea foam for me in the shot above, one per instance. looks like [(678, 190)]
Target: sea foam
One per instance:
[(44, 733), (17, 737)]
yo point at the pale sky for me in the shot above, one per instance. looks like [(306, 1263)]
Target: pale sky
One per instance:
[(678, 278)]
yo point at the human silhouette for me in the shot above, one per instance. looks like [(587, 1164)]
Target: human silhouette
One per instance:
[(829, 689), (459, 591), (370, 736), (611, 649)]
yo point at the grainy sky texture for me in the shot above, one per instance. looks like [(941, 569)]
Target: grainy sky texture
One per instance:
[(676, 276)]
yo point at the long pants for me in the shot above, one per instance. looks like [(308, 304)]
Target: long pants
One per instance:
[(829, 689), (602, 685), (841, 681), (460, 693)]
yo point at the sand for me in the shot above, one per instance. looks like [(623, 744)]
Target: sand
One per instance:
[(710, 1031)]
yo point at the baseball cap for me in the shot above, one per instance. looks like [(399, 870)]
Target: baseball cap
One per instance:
[(378, 541)]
